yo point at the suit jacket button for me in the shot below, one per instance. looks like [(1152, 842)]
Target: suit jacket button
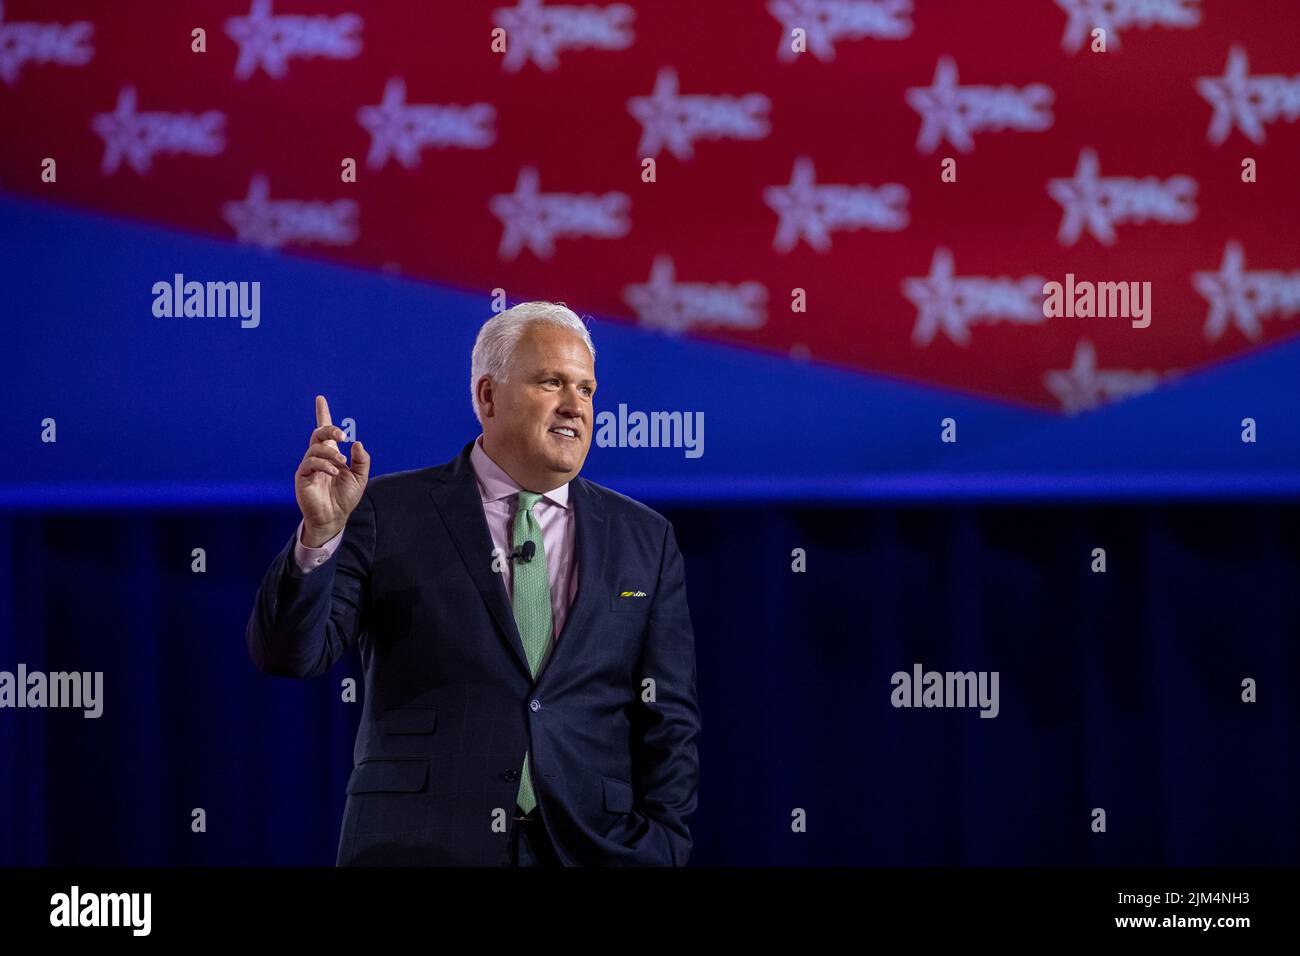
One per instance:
[(512, 775), (534, 705)]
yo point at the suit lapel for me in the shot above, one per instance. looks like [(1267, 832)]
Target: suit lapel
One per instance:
[(592, 536), (461, 509)]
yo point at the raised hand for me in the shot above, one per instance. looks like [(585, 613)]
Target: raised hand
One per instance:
[(326, 484)]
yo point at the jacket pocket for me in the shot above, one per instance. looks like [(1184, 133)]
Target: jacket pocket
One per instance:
[(630, 605), (399, 776), (618, 795)]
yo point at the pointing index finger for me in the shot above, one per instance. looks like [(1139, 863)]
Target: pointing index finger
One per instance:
[(323, 419)]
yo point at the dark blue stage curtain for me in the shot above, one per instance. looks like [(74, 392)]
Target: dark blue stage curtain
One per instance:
[(1119, 690)]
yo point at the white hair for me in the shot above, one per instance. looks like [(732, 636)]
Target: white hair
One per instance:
[(499, 336)]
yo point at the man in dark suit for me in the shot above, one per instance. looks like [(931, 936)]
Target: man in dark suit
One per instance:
[(528, 652)]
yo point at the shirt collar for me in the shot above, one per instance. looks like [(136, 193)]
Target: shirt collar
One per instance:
[(494, 484)]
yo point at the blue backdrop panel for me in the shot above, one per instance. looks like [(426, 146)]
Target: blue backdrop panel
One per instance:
[(155, 409)]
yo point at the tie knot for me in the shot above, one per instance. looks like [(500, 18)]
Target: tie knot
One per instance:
[(527, 499)]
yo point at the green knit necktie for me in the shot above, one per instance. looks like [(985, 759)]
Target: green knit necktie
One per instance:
[(532, 606)]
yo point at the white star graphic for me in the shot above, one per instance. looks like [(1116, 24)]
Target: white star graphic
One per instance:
[(1229, 295), (1084, 202), (391, 130), (249, 216), (802, 214), (523, 213), (814, 17), (1230, 95), (1077, 387), (259, 42), (657, 302), (942, 113), (1086, 16), (124, 135), (530, 36), (936, 300), (662, 118)]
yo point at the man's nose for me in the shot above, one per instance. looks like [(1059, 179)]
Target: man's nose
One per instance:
[(571, 403)]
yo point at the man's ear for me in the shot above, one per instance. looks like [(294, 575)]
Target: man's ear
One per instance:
[(485, 395)]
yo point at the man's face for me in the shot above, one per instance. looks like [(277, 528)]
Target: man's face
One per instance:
[(551, 382)]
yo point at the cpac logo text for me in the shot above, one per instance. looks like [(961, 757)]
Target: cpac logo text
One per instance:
[(268, 40), (271, 223), (956, 113), (825, 21), (134, 137), (537, 33), (664, 303), (1247, 102), (1112, 15), (533, 219), (673, 121), (950, 303), (1097, 203), (24, 42)]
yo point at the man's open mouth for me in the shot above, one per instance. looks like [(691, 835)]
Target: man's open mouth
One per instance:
[(567, 433)]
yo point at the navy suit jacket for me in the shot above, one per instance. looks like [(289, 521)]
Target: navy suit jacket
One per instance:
[(449, 709)]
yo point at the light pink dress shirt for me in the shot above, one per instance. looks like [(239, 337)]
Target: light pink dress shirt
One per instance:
[(497, 491)]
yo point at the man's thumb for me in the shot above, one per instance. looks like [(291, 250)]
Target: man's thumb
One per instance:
[(360, 463)]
